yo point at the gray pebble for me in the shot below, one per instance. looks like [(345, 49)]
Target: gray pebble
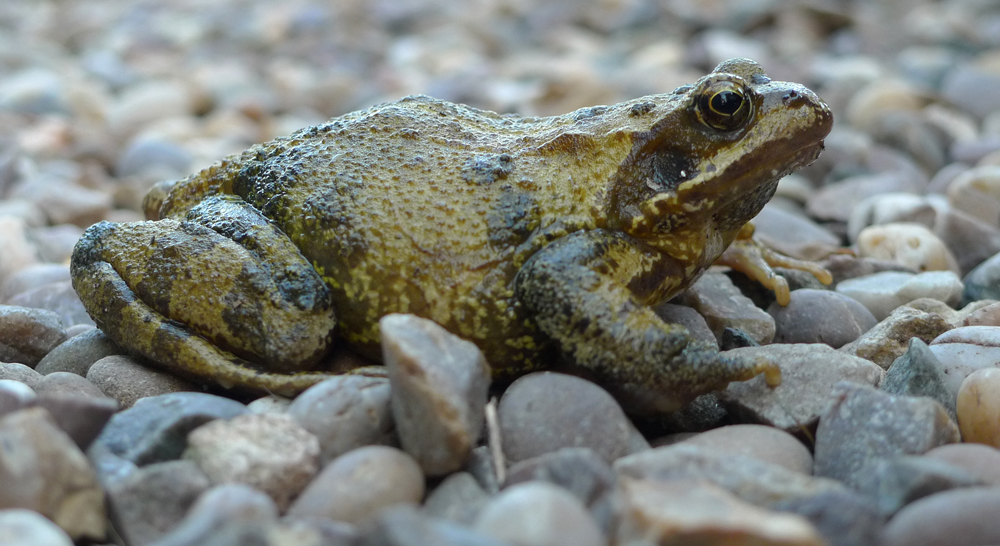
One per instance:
[(919, 373), (963, 85), (820, 316), (154, 158), (15, 396), (82, 417), (33, 276), (151, 501), (688, 318), (547, 515), (403, 525), (218, 507), (883, 292), (897, 481), (542, 412), (961, 517), (458, 498), (983, 282), (724, 306), (20, 372), (58, 297), (20, 527), (78, 353), (843, 517), (27, 335), (439, 388)]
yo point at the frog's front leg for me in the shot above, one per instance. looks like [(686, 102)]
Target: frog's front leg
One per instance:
[(586, 292), (222, 296)]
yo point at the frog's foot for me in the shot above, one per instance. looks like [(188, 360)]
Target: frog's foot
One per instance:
[(756, 261), (233, 303)]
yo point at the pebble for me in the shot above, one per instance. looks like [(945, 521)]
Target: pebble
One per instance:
[(912, 245), (889, 339), (919, 373), (723, 306), (354, 486), (346, 412), (983, 282), (888, 208), (235, 504), (685, 513), (27, 335), (546, 515), (545, 411), (43, 470), (121, 377), (793, 234), (837, 201), (808, 372), (20, 527), (977, 193), (82, 417), (764, 443), (155, 159), (16, 371), (755, 481), (58, 297), (962, 351), (688, 318), (458, 498), (863, 425), (150, 502), (33, 276), (845, 266), (271, 453), (15, 396), (896, 482), (978, 407), (961, 517), (439, 388), (979, 460), (970, 240), (883, 292), (966, 80), (820, 316), (78, 353), (843, 517), (15, 248), (404, 525), (57, 383)]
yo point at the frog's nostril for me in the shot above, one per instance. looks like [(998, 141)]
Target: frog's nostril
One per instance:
[(790, 95)]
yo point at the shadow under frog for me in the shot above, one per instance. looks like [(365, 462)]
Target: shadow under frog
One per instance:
[(536, 238)]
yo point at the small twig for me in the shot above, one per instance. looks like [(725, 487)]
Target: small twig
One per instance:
[(494, 440)]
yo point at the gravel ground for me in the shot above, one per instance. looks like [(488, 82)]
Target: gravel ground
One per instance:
[(884, 431)]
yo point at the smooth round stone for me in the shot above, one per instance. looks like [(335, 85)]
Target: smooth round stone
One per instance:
[(17, 251), (960, 517), (883, 292), (881, 96), (963, 86), (20, 527), (542, 412), (356, 485), (820, 316), (155, 158), (78, 353), (988, 315), (346, 412), (909, 244), (978, 407), (768, 444), (977, 192), (983, 282), (271, 453), (844, 266), (272, 403), (69, 383), (27, 335), (538, 514), (793, 234), (221, 506), (33, 276), (58, 297), (838, 200), (890, 208), (14, 396), (962, 351), (19, 372), (977, 459), (127, 381), (80, 416)]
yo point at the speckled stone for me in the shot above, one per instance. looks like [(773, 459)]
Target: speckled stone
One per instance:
[(890, 338), (919, 373), (897, 481), (723, 306), (961, 351), (127, 381)]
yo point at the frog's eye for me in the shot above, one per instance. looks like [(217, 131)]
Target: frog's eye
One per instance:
[(724, 106)]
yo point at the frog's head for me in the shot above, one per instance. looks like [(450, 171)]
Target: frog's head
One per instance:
[(712, 156)]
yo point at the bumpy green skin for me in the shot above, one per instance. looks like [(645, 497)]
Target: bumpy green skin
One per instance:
[(532, 237)]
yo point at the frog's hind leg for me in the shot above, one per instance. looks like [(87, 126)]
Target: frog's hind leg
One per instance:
[(222, 296)]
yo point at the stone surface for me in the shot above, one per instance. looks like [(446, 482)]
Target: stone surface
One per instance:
[(890, 338), (767, 444), (843, 517), (127, 381), (863, 425), (981, 461), (883, 292), (20, 527), (43, 470), (546, 515), (961, 517), (909, 244), (59, 383), (148, 503), (15, 396), (983, 282), (542, 412), (897, 481), (978, 407), (919, 373), (215, 509), (977, 192), (354, 486), (345, 413), (688, 318), (58, 297), (271, 453), (27, 335), (845, 266), (793, 234), (716, 298), (962, 351), (78, 353), (969, 239), (458, 498), (16, 371), (820, 316), (81, 417), (403, 525), (808, 372), (439, 389), (686, 513)]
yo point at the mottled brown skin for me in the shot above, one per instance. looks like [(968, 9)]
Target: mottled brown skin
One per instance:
[(532, 237)]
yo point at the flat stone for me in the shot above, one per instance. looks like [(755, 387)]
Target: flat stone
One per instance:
[(808, 372), (883, 292), (977, 192), (849, 439), (545, 515), (960, 517), (764, 443), (544, 411), (78, 353), (890, 338), (820, 316), (689, 513), (724, 306), (792, 234), (20, 527), (27, 335), (919, 373), (439, 387), (845, 266), (127, 381), (346, 412), (271, 453), (150, 502), (43, 470), (356, 485)]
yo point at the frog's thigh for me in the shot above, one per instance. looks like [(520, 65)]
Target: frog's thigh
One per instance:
[(188, 298), (577, 291)]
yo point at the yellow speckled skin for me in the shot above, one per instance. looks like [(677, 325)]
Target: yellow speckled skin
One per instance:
[(529, 236)]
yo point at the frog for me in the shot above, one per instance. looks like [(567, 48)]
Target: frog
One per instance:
[(546, 241)]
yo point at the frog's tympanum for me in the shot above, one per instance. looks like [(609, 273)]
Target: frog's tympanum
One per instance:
[(540, 239)]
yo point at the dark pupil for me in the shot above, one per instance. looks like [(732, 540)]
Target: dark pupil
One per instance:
[(727, 102)]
